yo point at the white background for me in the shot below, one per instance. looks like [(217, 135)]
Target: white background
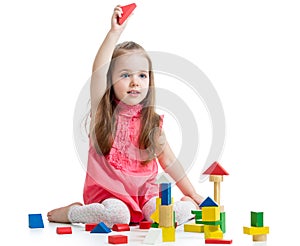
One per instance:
[(249, 50)]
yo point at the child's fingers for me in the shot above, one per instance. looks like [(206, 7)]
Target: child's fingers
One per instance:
[(118, 11)]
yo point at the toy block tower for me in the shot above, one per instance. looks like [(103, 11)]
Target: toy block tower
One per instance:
[(216, 172), (164, 215), (257, 230), (211, 219)]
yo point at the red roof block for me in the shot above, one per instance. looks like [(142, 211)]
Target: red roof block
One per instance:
[(216, 169)]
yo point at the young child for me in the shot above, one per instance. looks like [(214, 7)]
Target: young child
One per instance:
[(126, 139)]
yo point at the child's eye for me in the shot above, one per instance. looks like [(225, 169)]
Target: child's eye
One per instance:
[(125, 75), (143, 76)]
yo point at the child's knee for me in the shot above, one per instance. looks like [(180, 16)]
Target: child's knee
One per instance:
[(116, 212)]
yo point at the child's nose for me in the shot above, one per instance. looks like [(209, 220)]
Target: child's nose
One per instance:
[(134, 80)]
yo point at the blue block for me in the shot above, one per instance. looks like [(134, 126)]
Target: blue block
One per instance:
[(208, 202), (35, 221), (101, 228), (165, 193)]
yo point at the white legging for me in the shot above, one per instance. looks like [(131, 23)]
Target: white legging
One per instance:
[(113, 211)]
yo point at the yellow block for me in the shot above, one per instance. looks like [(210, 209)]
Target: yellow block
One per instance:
[(155, 215), (168, 234), (256, 230), (166, 218), (193, 228), (212, 231), (211, 213)]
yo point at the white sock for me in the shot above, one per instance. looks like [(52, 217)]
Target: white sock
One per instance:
[(111, 211), (182, 210)]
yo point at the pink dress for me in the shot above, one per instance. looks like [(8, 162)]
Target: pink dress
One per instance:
[(120, 174)]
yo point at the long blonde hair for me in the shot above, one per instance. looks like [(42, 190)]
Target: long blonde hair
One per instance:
[(105, 125)]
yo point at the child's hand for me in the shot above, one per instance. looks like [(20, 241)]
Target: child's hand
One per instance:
[(114, 19)]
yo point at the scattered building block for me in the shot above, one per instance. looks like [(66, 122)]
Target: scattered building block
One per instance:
[(154, 225), (216, 169), (101, 228), (193, 228), (223, 222), (166, 216), (212, 231), (90, 226), (259, 238), (145, 224), (35, 221), (215, 178), (117, 239), (165, 193), (208, 202), (154, 236), (256, 230), (127, 10), (168, 234), (64, 230), (197, 213), (217, 241), (121, 227), (257, 219), (210, 213)]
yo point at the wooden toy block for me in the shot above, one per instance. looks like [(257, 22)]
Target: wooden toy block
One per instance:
[(217, 192), (208, 202), (90, 226), (127, 10), (210, 213), (218, 222), (64, 230), (193, 228), (145, 224), (35, 221), (154, 236), (165, 193), (168, 234), (212, 231), (166, 216), (155, 216), (197, 213), (154, 225), (256, 230), (223, 222), (117, 239), (215, 169), (259, 238), (101, 228), (217, 241), (257, 219), (215, 178), (121, 227)]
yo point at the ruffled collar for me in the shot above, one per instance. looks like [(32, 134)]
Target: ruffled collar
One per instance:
[(128, 110)]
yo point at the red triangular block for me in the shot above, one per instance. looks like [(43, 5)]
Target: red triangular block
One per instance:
[(216, 169), (127, 10)]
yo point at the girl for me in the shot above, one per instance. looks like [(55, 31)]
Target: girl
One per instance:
[(126, 139)]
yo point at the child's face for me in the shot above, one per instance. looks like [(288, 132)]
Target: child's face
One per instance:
[(130, 78)]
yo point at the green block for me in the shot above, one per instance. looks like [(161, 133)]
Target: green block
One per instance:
[(198, 214), (257, 219), (223, 222), (218, 222), (155, 225)]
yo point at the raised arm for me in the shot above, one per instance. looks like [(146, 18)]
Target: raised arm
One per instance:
[(103, 59)]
